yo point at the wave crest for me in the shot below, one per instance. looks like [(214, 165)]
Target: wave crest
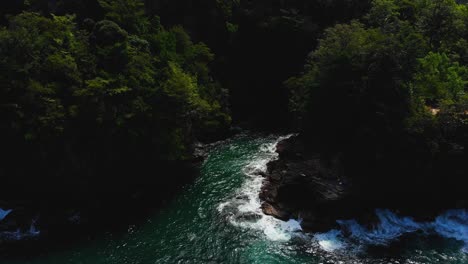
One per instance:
[(244, 210), (452, 224)]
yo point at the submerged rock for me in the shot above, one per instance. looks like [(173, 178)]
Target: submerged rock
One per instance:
[(248, 217)]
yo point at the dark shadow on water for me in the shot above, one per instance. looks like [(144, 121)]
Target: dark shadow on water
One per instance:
[(66, 224), (411, 244)]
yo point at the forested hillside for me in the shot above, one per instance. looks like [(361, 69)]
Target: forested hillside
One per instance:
[(258, 44), (382, 110), (388, 92), (112, 88), (100, 101), (103, 102)]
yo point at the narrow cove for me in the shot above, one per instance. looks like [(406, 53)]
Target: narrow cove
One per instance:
[(217, 219)]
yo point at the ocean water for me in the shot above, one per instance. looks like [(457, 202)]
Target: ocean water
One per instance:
[(217, 219)]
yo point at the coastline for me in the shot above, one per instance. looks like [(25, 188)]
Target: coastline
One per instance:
[(313, 187)]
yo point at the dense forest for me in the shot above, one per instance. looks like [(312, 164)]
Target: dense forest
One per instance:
[(96, 91), (387, 93), (102, 99)]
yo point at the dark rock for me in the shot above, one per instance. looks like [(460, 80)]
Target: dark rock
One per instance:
[(249, 217), (269, 209), (313, 187), (269, 192), (242, 197)]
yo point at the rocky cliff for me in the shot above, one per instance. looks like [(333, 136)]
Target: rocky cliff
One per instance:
[(322, 188)]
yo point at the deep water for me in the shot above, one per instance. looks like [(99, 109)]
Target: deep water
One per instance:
[(217, 219)]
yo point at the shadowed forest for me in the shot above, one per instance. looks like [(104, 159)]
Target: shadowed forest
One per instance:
[(102, 100)]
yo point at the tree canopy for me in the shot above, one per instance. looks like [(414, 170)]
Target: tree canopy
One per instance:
[(399, 63), (389, 92), (107, 95)]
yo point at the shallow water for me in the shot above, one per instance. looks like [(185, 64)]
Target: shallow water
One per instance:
[(217, 219)]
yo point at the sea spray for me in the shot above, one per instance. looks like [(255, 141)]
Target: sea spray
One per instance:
[(246, 205), (453, 224), (179, 235), (331, 241), (352, 235), (389, 228), (350, 241)]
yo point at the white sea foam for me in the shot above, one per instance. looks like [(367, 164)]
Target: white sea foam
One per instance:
[(452, 224), (291, 225), (350, 236), (221, 206), (390, 227), (331, 241), (247, 201)]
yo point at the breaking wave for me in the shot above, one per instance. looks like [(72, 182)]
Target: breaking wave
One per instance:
[(244, 210), (353, 236)]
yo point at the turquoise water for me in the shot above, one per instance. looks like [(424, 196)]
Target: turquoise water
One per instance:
[(217, 220)]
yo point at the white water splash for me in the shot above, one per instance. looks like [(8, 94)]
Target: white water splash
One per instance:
[(390, 227), (244, 211), (331, 241), (4, 213), (247, 203), (452, 224)]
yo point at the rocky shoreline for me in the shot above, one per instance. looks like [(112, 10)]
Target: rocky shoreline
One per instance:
[(314, 187), (304, 185)]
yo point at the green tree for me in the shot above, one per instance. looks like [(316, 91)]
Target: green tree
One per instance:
[(104, 99), (129, 14), (438, 78)]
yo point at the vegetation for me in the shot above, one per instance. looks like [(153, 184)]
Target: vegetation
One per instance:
[(95, 100), (388, 89), (94, 91), (258, 44)]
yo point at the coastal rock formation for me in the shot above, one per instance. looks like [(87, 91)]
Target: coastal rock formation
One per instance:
[(315, 188)]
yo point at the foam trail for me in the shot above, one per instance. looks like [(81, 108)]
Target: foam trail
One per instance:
[(4, 213), (244, 211), (452, 224), (248, 202), (390, 227), (291, 225), (331, 241)]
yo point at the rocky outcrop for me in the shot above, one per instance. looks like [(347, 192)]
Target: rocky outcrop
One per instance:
[(304, 185), (315, 188)]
